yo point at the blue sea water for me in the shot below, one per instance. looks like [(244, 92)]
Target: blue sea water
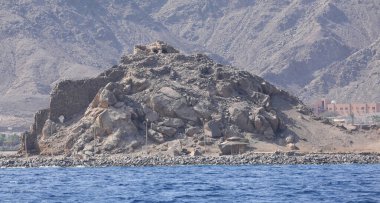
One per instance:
[(258, 183)]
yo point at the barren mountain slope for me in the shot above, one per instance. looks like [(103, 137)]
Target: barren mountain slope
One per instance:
[(290, 43), (357, 78), (286, 42)]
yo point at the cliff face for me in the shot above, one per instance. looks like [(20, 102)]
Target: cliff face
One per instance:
[(158, 95)]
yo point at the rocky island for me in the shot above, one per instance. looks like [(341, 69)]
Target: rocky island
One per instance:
[(161, 107)]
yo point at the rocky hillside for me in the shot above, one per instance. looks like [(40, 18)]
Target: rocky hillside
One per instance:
[(302, 46), (155, 96), (158, 100)]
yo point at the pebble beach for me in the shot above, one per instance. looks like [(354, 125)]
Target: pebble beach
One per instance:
[(244, 159)]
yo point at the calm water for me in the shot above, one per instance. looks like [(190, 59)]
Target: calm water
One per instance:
[(289, 183)]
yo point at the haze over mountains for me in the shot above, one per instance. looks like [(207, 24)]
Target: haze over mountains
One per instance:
[(309, 47)]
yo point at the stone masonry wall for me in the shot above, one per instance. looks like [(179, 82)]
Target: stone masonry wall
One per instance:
[(71, 97)]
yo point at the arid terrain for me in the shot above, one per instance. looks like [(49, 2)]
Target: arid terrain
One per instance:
[(159, 101), (310, 48)]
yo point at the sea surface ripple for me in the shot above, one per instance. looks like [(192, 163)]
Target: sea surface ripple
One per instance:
[(255, 183)]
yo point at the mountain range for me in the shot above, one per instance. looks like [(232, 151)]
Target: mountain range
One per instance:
[(312, 48)]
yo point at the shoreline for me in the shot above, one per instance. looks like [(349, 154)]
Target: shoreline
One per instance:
[(276, 158)]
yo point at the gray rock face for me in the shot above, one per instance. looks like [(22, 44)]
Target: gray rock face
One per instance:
[(172, 122), (170, 93), (124, 106), (165, 130), (150, 115), (106, 98), (185, 112), (263, 127), (239, 113), (212, 129), (163, 105), (192, 131), (203, 108)]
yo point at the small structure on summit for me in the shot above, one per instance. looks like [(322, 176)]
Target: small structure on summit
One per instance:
[(154, 48)]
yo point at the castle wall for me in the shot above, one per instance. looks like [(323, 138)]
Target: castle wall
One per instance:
[(71, 97)]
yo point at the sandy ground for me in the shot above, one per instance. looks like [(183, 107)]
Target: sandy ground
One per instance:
[(314, 136), (7, 153), (319, 137)]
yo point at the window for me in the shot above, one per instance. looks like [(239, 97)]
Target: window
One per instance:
[(341, 108), (346, 108), (374, 108), (363, 108)]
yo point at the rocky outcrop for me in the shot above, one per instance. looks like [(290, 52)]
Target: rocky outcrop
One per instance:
[(157, 95)]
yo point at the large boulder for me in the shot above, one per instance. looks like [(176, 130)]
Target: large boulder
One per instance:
[(113, 140), (273, 120), (172, 106), (156, 136), (263, 127), (170, 93), (165, 130), (104, 121), (163, 104), (172, 122), (117, 119), (150, 115), (203, 109), (239, 114), (225, 89), (183, 111), (104, 99), (138, 85), (192, 131), (212, 129)]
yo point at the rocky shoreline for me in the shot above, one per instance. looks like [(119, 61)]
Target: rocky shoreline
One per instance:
[(244, 159)]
